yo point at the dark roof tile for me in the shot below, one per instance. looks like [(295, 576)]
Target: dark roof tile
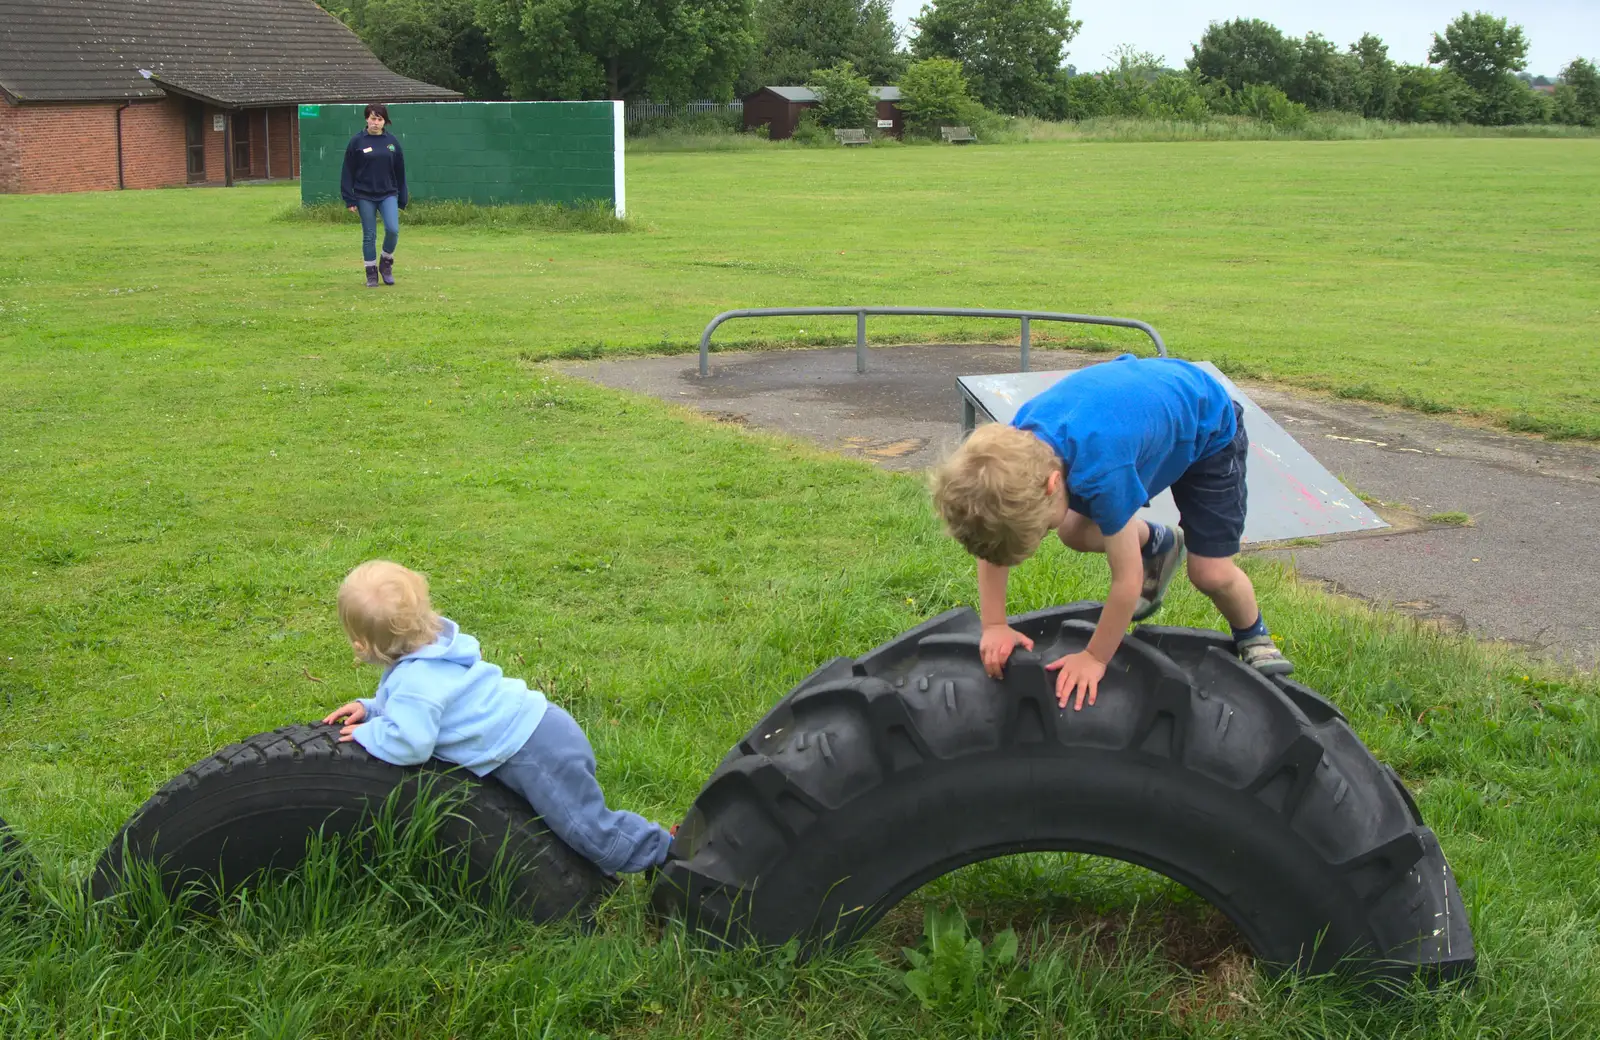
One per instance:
[(238, 52)]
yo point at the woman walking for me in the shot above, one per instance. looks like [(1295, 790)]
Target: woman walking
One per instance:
[(374, 185)]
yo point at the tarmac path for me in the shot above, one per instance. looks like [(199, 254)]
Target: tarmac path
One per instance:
[(1524, 569)]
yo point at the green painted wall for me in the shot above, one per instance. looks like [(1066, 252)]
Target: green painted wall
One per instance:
[(486, 152)]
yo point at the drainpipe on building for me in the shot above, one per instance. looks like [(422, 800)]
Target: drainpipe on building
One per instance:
[(120, 109), (227, 148)]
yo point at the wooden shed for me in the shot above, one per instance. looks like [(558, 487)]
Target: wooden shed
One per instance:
[(779, 108)]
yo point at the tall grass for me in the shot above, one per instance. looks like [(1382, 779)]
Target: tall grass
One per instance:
[(596, 216), (1322, 126), (704, 141)]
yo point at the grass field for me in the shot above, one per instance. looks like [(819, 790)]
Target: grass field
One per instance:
[(1443, 274), (205, 420)]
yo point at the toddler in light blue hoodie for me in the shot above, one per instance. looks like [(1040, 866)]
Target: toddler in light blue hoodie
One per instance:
[(439, 699)]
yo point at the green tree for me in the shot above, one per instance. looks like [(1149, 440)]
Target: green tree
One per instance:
[(663, 50), (1486, 53), (1323, 78), (1578, 94), (1377, 84), (844, 98), (1244, 51), (1130, 62), (1010, 50), (1482, 49), (436, 41), (933, 93), (1428, 95), (796, 37)]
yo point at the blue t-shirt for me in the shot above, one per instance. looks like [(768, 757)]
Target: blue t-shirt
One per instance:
[(1126, 429)]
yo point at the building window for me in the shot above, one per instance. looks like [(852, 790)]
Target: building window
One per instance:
[(241, 144), (194, 139)]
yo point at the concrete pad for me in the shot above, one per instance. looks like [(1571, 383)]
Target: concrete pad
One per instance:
[(1525, 570)]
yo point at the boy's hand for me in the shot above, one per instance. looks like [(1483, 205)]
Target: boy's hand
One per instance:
[(996, 646), (354, 713), (1080, 672)]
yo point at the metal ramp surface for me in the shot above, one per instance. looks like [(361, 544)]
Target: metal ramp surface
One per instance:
[(1291, 494)]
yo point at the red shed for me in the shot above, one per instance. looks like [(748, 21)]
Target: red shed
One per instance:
[(779, 109)]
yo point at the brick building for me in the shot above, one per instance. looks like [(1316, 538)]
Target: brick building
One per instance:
[(100, 94)]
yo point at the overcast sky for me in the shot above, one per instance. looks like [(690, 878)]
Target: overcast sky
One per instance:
[(1557, 30)]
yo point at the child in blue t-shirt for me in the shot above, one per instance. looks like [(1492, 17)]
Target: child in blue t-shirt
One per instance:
[(1081, 459), (439, 699)]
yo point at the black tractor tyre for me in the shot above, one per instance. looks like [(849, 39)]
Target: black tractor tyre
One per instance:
[(253, 806), (14, 860), (876, 775)]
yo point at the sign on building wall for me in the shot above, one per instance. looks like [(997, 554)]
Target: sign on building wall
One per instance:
[(487, 152)]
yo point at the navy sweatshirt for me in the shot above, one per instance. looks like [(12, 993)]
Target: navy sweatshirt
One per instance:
[(374, 169)]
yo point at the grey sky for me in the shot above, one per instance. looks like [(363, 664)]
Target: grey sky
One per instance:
[(1557, 30)]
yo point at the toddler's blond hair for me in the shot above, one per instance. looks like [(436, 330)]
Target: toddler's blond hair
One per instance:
[(991, 493), (385, 606)]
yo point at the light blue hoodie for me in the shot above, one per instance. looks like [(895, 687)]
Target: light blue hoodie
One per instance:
[(445, 701)]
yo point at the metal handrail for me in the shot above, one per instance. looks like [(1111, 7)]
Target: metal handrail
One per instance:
[(938, 312)]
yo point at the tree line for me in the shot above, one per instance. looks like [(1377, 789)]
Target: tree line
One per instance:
[(1005, 56)]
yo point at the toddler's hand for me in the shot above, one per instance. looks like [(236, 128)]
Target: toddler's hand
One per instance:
[(996, 646), (354, 713)]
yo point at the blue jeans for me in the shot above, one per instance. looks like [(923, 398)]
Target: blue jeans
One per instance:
[(390, 208), (554, 771)]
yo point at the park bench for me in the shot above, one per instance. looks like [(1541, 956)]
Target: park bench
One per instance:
[(851, 136), (957, 134)]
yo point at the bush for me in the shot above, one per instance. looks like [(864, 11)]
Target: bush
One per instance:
[(1132, 92), (933, 93), (683, 121), (1427, 95), (1177, 97), (844, 98), (809, 130), (1268, 104), (1075, 97)]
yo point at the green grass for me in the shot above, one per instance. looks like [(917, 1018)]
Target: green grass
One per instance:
[(1454, 519), (1454, 274), (206, 421), (595, 217)]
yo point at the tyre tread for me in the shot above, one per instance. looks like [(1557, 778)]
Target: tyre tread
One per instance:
[(920, 706)]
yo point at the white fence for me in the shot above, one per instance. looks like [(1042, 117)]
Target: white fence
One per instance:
[(639, 111)]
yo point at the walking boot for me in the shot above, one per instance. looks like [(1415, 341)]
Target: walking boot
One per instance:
[(1158, 574), (372, 276), (386, 268)]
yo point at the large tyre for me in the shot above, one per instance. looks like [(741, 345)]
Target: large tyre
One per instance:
[(14, 860), (876, 775), (252, 807)]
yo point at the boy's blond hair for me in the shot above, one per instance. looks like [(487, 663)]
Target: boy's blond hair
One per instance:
[(385, 606), (991, 493)]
